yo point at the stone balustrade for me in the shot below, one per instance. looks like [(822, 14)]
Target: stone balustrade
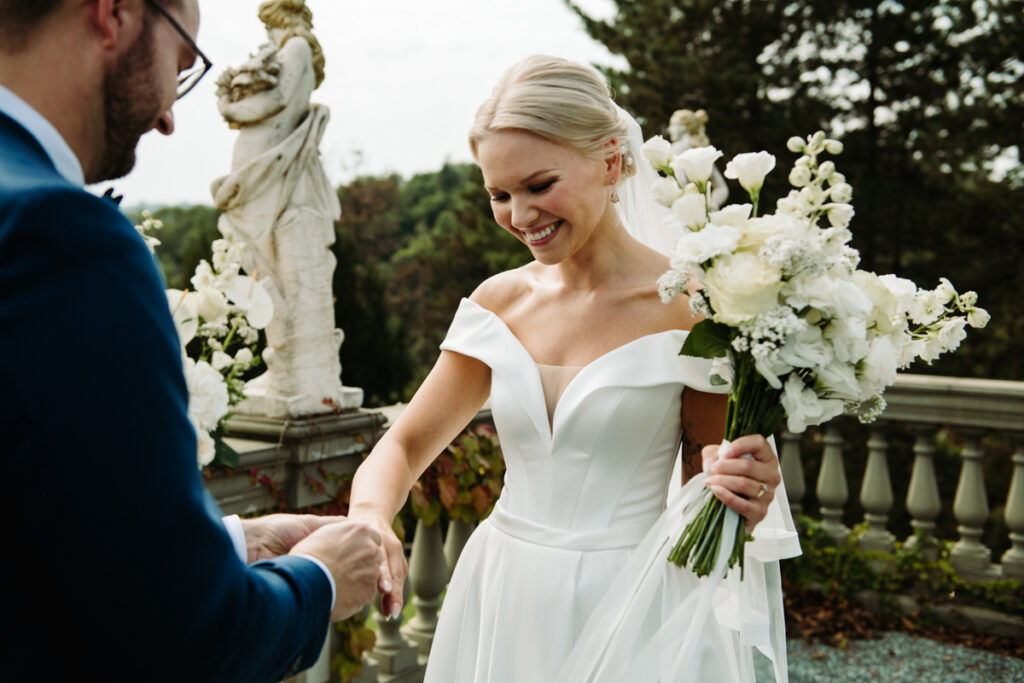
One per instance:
[(294, 464)]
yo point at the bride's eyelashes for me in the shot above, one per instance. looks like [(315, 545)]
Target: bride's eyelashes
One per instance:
[(540, 188)]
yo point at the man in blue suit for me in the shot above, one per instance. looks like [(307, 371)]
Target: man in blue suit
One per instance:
[(118, 565)]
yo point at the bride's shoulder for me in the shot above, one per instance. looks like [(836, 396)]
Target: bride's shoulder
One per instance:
[(500, 292)]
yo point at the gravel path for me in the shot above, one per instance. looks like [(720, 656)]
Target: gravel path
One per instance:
[(897, 657)]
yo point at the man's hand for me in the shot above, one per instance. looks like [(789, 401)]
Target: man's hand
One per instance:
[(352, 552), (273, 535)]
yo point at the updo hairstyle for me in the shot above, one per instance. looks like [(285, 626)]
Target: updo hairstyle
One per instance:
[(559, 100)]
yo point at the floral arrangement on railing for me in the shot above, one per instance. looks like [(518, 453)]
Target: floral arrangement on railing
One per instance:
[(465, 480), (796, 329), (223, 313)]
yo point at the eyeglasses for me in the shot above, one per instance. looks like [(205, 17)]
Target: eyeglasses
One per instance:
[(188, 78)]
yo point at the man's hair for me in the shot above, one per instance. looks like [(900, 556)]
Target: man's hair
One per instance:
[(18, 18)]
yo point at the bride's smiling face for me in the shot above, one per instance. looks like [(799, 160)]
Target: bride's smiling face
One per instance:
[(548, 195)]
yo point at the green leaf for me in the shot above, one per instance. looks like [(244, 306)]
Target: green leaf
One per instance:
[(223, 454), (707, 339)]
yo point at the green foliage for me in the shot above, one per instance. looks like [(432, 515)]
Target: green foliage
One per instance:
[(356, 640), (925, 96), (465, 480), (847, 570)]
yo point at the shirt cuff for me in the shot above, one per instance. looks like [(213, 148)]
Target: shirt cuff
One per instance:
[(234, 526), (327, 572)]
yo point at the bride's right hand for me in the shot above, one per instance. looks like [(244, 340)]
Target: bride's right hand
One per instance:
[(393, 567)]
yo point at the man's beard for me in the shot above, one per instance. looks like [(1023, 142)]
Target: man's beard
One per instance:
[(130, 107)]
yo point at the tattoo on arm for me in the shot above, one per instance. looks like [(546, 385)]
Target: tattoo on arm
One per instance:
[(692, 464)]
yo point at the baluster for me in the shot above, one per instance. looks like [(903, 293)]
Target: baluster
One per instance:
[(429, 574), (969, 555), (455, 541), (923, 491), (397, 659), (832, 488), (1013, 559), (793, 472), (876, 495)]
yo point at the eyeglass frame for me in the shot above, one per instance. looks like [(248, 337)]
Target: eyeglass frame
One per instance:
[(207, 64)]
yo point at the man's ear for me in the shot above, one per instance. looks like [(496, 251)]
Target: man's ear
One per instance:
[(117, 23)]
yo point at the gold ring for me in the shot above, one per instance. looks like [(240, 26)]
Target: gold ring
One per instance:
[(764, 489)]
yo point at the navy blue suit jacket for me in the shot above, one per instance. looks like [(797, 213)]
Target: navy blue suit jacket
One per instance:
[(115, 560)]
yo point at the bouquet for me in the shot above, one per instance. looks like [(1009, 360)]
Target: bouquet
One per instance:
[(799, 333), (223, 314)]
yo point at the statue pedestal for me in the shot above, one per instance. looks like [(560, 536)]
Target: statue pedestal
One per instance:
[(268, 404)]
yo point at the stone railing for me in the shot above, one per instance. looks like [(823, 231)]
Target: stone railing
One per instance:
[(291, 465)]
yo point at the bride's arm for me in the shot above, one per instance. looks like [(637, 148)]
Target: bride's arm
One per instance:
[(445, 403), (735, 480)]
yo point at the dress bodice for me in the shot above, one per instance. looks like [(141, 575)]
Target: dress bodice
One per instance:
[(605, 458)]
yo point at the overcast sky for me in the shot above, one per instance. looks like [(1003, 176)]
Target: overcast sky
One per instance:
[(403, 80)]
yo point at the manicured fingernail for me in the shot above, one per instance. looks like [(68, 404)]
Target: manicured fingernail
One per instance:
[(396, 611), (386, 585)]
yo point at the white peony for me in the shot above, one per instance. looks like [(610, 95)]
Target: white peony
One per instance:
[(741, 286), (696, 164), (750, 169), (691, 209), (657, 151), (806, 348)]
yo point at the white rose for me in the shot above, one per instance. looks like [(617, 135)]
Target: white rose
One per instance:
[(665, 191), (696, 164), (804, 407), (208, 395), (741, 286), (691, 209), (978, 317), (750, 169), (658, 151), (698, 247)]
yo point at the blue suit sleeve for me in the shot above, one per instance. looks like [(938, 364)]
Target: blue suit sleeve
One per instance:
[(110, 513)]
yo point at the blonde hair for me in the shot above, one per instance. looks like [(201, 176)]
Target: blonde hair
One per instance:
[(296, 20), (557, 99)]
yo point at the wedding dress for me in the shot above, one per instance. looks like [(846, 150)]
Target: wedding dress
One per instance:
[(568, 580)]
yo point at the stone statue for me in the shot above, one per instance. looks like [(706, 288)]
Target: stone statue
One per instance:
[(686, 129), (278, 202)]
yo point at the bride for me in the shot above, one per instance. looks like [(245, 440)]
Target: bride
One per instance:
[(567, 579)]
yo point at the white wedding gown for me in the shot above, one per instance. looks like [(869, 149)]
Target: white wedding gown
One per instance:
[(582, 530)]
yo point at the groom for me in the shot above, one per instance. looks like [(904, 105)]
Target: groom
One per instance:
[(117, 564)]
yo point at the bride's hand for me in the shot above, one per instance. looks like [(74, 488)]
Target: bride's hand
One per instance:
[(743, 484), (393, 567)]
